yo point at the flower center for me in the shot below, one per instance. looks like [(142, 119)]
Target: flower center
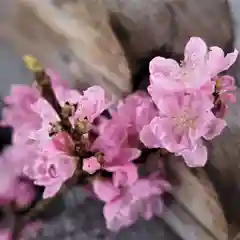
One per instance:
[(184, 121)]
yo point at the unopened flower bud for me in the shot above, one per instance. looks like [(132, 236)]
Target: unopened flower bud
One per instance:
[(82, 126), (100, 157), (91, 165), (68, 110)]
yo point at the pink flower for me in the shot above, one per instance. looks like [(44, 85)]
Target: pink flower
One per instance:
[(93, 103), (124, 205), (217, 62), (91, 165), (18, 111), (50, 169), (182, 123), (166, 74)]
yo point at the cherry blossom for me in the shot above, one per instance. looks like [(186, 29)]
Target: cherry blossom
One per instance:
[(181, 124), (123, 206), (51, 168)]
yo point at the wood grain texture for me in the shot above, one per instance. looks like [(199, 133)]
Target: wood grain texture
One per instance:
[(76, 38), (73, 37), (196, 212), (224, 166)]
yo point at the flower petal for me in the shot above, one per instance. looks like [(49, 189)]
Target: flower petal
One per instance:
[(51, 190), (91, 165), (215, 128), (196, 157), (105, 190), (164, 66), (195, 51), (227, 83), (125, 176), (148, 138), (230, 59)]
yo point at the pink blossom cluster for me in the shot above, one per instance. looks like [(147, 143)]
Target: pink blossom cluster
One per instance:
[(47, 160), (126, 195), (191, 98), (184, 106)]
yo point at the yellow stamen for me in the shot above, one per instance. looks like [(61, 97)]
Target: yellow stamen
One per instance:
[(218, 84)]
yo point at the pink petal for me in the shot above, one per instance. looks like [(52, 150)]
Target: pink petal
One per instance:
[(51, 190), (120, 213), (158, 207), (105, 190), (115, 220), (63, 142), (65, 166), (195, 51), (215, 60), (215, 128), (147, 211), (130, 154), (228, 97), (124, 156), (93, 103), (230, 59), (227, 83), (144, 188), (196, 157), (125, 176), (166, 67), (91, 165), (158, 80), (148, 138)]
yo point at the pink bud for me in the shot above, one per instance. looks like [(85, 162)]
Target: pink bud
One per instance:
[(91, 165), (63, 142)]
